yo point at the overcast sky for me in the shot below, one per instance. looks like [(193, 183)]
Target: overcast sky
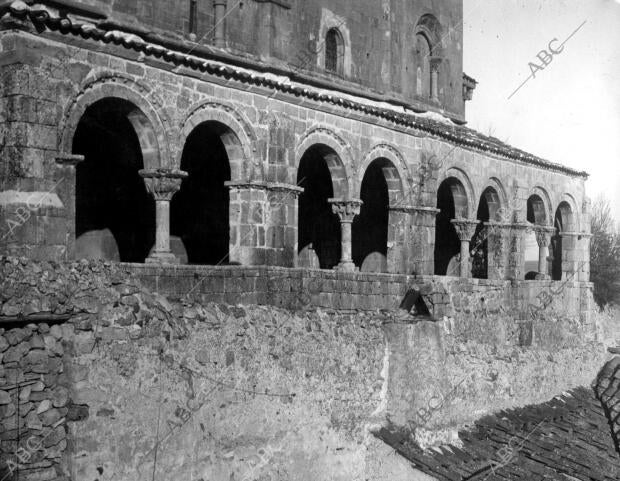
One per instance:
[(570, 111)]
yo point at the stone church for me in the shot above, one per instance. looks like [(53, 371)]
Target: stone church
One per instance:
[(309, 157)]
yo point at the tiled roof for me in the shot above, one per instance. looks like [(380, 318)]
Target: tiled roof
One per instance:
[(566, 438), (607, 389), (202, 59)]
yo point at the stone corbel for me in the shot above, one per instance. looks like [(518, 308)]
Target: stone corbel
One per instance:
[(69, 160)]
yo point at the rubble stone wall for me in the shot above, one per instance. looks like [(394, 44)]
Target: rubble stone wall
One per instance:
[(209, 390)]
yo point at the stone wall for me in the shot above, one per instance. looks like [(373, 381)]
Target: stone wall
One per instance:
[(291, 35), (250, 391), (471, 299)]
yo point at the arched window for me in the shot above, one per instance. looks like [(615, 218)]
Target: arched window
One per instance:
[(334, 51), (423, 53), (428, 54)]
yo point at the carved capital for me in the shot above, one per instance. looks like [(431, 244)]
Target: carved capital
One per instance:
[(163, 183), (346, 209), (435, 63), (465, 228), (543, 235)]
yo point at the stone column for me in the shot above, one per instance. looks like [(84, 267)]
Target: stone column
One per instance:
[(516, 255), (584, 272), (411, 234), (398, 231), (263, 223), (346, 211), (219, 22), (465, 229), (435, 62), (570, 256), (543, 237), (498, 239), (66, 176), (421, 241), (281, 224), (163, 184)]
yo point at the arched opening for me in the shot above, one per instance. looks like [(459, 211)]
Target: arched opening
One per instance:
[(370, 227), (488, 210), (114, 214), (428, 39), (319, 227), (563, 221), (452, 203), (334, 51), (536, 214), (200, 210)]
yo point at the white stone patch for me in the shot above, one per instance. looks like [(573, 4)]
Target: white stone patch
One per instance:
[(33, 200), (433, 439), (382, 407)]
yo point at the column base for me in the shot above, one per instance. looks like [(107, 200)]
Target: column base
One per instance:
[(346, 267), (162, 258)]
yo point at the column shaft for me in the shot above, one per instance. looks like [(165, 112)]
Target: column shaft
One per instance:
[(434, 91), (465, 258), (162, 226), (219, 22), (542, 259), (346, 243)]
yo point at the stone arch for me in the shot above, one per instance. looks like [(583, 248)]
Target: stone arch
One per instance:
[(569, 213), (563, 246), (114, 214), (145, 119), (395, 171), (485, 247), (462, 191), (330, 21), (497, 200), (543, 214), (430, 27), (337, 161), (454, 195), (334, 51), (238, 138)]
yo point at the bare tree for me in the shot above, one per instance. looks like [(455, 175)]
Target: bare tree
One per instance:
[(604, 254)]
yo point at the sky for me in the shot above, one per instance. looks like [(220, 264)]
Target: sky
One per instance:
[(567, 112)]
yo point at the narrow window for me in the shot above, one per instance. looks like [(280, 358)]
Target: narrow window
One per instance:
[(423, 54), (192, 16), (334, 51)]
